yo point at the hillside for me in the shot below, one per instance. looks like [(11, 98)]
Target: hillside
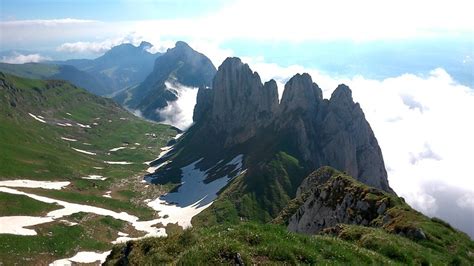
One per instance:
[(61, 72), (384, 241), (71, 170)]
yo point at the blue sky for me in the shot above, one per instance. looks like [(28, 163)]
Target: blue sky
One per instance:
[(106, 10), (410, 64)]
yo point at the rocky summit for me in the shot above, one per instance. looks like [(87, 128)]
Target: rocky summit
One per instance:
[(239, 108)]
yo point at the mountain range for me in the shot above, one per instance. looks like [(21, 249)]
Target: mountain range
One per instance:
[(121, 67), (262, 179)]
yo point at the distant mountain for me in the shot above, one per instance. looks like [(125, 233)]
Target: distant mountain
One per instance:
[(60, 72), (179, 67), (122, 66)]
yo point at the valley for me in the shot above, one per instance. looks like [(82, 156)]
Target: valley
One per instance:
[(72, 174)]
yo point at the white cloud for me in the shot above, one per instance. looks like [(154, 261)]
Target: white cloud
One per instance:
[(45, 22), (294, 21), (425, 140), (100, 47), (18, 58), (179, 113), (303, 20)]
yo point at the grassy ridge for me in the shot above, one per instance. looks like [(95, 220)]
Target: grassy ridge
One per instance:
[(256, 244), (273, 244)]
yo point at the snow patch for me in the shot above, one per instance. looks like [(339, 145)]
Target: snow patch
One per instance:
[(37, 118), (120, 162), (16, 224), (83, 151), (82, 257), (68, 139), (193, 196), (83, 126), (24, 183), (118, 148), (94, 177), (64, 125)]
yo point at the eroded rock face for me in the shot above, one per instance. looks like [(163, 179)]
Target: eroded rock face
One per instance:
[(336, 201), (239, 103), (333, 132)]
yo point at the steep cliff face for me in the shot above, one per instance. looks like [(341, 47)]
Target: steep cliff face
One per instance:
[(317, 131)]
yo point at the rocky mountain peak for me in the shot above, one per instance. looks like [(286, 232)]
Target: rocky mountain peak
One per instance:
[(145, 45), (342, 95), (241, 103), (301, 93), (320, 132)]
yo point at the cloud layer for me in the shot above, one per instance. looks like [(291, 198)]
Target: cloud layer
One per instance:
[(17, 58), (180, 112)]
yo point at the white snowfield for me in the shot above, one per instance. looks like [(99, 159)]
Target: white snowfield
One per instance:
[(37, 118), (34, 184), (111, 162), (82, 257), (94, 177), (85, 152), (16, 224), (193, 196)]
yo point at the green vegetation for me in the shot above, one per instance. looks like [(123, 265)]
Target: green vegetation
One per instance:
[(256, 196), (34, 150), (256, 244), (57, 240), (456, 249), (16, 205)]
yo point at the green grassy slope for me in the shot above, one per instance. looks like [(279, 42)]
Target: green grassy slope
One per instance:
[(30, 149), (259, 195), (60, 72)]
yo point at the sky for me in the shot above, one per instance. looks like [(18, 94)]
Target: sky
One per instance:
[(410, 65)]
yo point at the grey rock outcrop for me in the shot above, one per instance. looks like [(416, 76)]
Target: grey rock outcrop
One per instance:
[(334, 132), (339, 200), (240, 104)]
